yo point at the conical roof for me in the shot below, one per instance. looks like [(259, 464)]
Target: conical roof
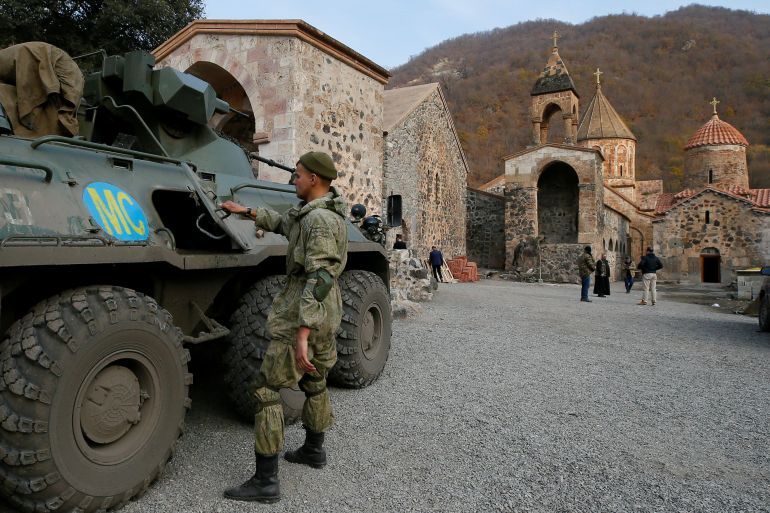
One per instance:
[(716, 132), (601, 120), (554, 77)]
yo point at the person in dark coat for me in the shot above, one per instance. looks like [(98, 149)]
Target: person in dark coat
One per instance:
[(436, 261), (399, 244), (602, 277), (649, 265)]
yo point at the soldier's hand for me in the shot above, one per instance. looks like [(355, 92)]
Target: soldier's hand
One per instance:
[(260, 233), (233, 207), (300, 350)]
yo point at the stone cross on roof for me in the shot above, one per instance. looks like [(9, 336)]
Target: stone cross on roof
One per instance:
[(714, 102), (556, 37), (597, 75)]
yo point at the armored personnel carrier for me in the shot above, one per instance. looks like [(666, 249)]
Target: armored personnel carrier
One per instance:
[(114, 260)]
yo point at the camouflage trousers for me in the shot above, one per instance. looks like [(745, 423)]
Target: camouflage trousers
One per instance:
[(279, 370)]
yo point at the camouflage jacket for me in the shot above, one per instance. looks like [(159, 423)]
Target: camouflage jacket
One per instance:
[(585, 265), (318, 240)]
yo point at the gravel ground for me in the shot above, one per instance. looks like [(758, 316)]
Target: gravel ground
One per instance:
[(516, 397)]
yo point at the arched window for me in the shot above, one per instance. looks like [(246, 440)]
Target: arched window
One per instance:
[(711, 176), (621, 170), (708, 217), (610, 248), (604, 243)]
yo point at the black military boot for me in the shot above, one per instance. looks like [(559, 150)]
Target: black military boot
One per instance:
[(263, 487), (311, 453)]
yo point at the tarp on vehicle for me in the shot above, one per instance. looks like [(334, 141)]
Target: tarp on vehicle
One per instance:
[(40, 88)]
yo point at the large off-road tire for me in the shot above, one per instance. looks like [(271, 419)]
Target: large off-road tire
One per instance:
[(246, 347), (93, 396), (764, 313), (363, 340)]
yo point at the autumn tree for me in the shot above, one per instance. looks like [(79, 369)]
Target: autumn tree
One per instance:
[(79, 27)]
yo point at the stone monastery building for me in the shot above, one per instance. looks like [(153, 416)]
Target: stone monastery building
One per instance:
[(302, 90), (583, 190), (717, 224)]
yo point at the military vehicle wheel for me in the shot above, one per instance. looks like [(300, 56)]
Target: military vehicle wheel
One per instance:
[(764, 313), (247, 344), (363, 340), (92, 400)]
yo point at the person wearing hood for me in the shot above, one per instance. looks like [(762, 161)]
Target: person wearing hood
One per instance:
[(303, 322)]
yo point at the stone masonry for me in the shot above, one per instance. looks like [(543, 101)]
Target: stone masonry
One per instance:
[(486, 229), (425, 164), (740, 234), (522, 172), (306, 92), (727, 164)]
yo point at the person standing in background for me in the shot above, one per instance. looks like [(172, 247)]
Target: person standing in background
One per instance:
[(399, 244), (585, 267), (649, 265), (436, 261)]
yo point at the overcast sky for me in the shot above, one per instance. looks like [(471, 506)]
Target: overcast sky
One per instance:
[(390, 31)]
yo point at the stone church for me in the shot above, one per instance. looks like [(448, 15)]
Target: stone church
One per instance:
[(717, 224), (297, 89), (555, 197), (561, 194)]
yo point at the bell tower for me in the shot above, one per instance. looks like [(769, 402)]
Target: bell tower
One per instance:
[(554, 96)]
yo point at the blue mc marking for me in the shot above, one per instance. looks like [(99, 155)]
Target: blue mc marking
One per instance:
[(116, 211)]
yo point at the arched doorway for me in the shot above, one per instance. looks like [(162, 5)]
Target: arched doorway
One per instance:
[(557, 204), (238, 126), (709, 265)]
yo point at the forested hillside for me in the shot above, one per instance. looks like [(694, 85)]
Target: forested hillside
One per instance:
[(659, 74)]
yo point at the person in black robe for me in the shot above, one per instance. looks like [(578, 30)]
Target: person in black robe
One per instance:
[(602, 277)]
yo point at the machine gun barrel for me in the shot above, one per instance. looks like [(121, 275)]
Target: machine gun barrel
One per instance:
[(272, 163)]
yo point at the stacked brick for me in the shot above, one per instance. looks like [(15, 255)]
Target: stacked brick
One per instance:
[(463, 270)]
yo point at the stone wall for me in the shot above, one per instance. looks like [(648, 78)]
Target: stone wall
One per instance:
[(302, 99), (740, 234), (568, 107), (727, 163), (615, 242), (647, 192), (559, 262), (520, 218), (485, 229), (425, 165), (619, 159)]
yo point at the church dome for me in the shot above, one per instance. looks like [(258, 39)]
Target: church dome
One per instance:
[(716, 132), (601, 121)]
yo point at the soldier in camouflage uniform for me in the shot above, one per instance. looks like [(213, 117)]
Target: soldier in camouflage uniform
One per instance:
[(302, 322)]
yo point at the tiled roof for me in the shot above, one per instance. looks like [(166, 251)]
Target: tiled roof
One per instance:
[(554, 77), (684, 194), (601, 121), (665, 201), (716, 132), (759, 198)]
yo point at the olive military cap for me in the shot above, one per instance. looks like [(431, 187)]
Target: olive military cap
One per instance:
[(319, 163)]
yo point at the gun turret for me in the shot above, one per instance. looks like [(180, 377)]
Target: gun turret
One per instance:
[(132, 77)]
